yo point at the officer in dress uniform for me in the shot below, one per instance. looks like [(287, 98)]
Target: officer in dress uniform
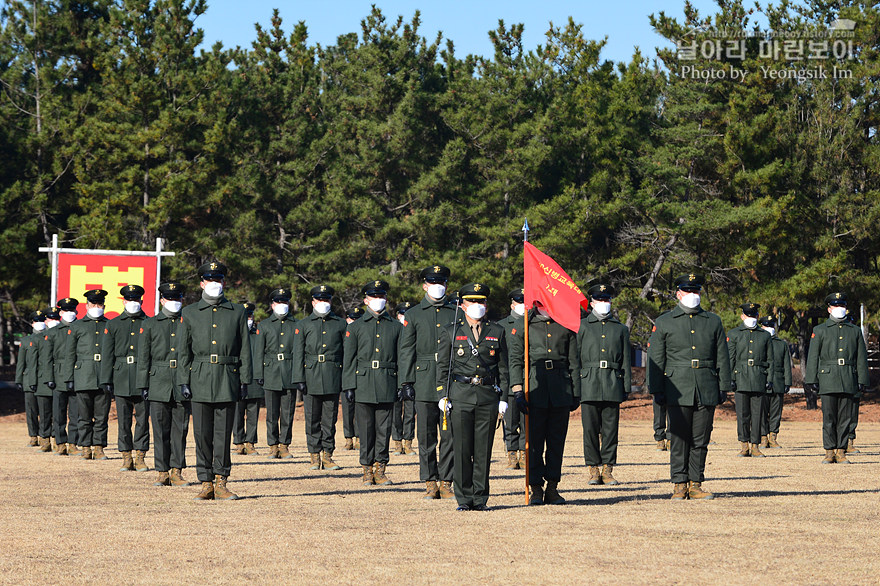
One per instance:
[(751, 357), (119, 369), (214, 372), (45, 387), (157, 380), (603, 382), (472, 378), (403, 419), (317, 373), (370, 378), (514, 434), (837, 368), (247, 410), (781, 369), (27, 376), (689, 371), (64, 404), (854, 420), (349, 429)]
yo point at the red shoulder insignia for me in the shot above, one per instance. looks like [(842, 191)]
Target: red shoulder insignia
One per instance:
[(347, 334), (405, 323), (142, 330), (31, 343), (296, 331), (649, 344), (46, 337), (69, 331), (813, 335), (728, 338), (106, 331), (513, 332), (654, 329), (258, 330)]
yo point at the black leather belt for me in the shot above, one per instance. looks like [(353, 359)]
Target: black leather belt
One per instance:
[(474, 380)]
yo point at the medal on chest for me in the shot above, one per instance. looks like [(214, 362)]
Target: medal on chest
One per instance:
[(460, 351)]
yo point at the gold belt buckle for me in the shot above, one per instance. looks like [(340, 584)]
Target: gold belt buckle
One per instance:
[(215, 359), (603, 364), (321, 358), (172, 363), (129, 359), (548, 364), (751, 361), (841, 362), (97, 358), (695, 363), (476, 380), (281, 356), (374, 364)]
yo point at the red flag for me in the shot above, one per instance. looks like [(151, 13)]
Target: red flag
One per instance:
[(546, 282)]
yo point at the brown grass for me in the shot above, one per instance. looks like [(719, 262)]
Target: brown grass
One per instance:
[(784, 519)]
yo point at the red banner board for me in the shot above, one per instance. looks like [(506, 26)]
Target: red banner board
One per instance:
[(78, 273)]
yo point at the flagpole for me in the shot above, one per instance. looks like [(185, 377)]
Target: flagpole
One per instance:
[(525, 230)]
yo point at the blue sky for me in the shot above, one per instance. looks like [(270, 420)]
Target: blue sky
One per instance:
[(625, 22)]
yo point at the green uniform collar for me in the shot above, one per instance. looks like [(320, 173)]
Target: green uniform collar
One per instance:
[(678, 312), (369, 315), (591, 318), (314, 316), (222, 302)]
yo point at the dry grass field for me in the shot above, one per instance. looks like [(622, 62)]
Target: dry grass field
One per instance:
[(784, 519)]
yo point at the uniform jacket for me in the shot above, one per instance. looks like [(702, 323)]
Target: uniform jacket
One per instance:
[(688, 360), (554, 363), (837, 359), (273, 352), (506, 324), (420, 349), (781, 365), (604, 350), (215, 353), (27, 369), (158, 362), (120, 365), (491, 347), (317, 353), (751, 357), (370, 354), (255, 391), (85, 352), (55, 352)]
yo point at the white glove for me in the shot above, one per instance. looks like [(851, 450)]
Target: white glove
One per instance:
[(445, 405), (502, 407)]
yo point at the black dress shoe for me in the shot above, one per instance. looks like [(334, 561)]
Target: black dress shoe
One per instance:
[(480, 508), (463, 508)]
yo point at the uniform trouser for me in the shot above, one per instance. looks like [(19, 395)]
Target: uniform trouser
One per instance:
[(474, 433), (32, 413), (65, 403), (403, 421), (836, 420), (548, 427), (429, 422), (321, 412), (94, 407), (280, 406), (128, 408), (600, 418), (170, 427), (514, 435), (772, 413), (212, 428), (749, 415), (660, 426), (690, 429), (44, 405), (854, 420), (247, 417), (374, 426), (349, 428)]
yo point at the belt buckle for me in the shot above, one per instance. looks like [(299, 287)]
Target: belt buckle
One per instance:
[(548, 364), (215, 359), (476, 380), (321, 358), (97, 358), (603, 364), (129, 359), (172, 363), (695, 363), (751, 362), (280, 357), (841, 362), (374, 364)]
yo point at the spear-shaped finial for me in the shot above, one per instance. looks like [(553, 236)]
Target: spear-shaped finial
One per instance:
[(525, 230)]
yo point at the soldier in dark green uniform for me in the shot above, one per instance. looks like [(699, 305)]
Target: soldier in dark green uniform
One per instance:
[(514, 434), (82, 368), (273, 370), (119, 375), (837, 368), (349, 430), (472, 378), (781, 377), (689, 371), (247, 411), (370, 378), (751, 357), (603, 382), (157, 381), (317, 373), (45, 388), (63, 400), (857, 399), (419, 354), (214, 370), (554, 363), (27, 376), (403, 419)]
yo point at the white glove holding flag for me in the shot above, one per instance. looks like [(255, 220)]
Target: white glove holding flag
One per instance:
[(445, 405), (502, 407)]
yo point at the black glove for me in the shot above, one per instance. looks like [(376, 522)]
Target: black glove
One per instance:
[(109, 388), (301, 387), (733, 386), (409, 392), (51, 385), (186, 392), (34, 388), (769, 386), (242, 392), (145, 394), (787, 389), (722, 397), (19, 387), (260, 382), (574, 405), (660, 399), (349, 395), (521, 403), (69, 386), (814, 387), (863, 388)]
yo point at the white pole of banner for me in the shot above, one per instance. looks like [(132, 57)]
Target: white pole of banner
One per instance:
[(158, 272), (53, 293), (862, 323)]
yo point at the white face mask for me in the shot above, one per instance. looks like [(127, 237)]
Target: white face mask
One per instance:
[(281, 309), (322, 308), (838, 312), (691, 300), (401, 318), (377, 304), (771, 331), (68, 316), (543, 312), (173, 306), (95, 312), (750, 322), (476, 311), (51, 323), (519, 309), (250, 323), (602, 307), (39, 326), (436, 290), (132, 306), (214, 289)]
